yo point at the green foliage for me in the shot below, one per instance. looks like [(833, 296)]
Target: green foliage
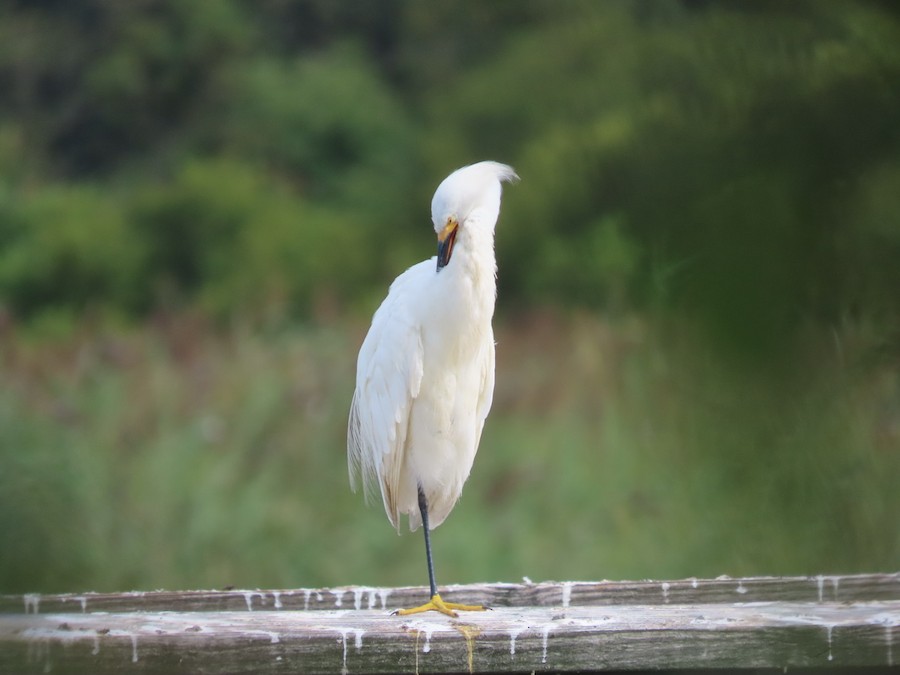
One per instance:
[(180, 457), (728, 144), (327, 121), (42, 506), (720, 178), (719, 160), (67, 247), (230, 237), (99, 84)]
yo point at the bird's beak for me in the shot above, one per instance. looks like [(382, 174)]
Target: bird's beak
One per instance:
[(446, 239)]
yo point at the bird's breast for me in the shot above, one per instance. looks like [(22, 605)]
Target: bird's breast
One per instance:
[(469, 284)]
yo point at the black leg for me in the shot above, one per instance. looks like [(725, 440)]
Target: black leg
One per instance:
[(423, 509), (436, 603)]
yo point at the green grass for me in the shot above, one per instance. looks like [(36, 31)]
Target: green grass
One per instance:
[(180, 456)]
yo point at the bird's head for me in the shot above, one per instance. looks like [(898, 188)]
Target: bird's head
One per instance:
[(468, 197)]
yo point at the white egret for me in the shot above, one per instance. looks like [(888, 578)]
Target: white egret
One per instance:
[(425, 373)]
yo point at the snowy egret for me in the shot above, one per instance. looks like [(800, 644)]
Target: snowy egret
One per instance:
[(425, 373)]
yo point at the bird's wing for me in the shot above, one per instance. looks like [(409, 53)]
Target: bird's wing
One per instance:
[(388, 376), (486, 393)]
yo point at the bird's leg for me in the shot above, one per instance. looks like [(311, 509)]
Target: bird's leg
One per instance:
[(436, 603), (426, 530)]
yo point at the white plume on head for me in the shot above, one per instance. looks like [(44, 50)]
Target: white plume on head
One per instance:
[(475, 187)]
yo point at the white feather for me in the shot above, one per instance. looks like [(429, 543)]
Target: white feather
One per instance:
[(425, 373)]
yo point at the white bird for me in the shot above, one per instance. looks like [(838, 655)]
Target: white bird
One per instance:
[(425, 373)]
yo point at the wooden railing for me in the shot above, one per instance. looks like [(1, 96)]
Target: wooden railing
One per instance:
[(723, 623)]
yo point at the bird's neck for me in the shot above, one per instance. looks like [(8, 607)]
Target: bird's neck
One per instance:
[(478, 264)]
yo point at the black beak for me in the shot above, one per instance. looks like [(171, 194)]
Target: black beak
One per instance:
[(445, 248)]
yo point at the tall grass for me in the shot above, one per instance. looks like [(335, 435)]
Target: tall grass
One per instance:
[(181, 455)]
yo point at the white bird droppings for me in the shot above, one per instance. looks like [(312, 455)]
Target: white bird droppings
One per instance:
[(338, 598), (134, 655), (513, 634), (383, 594), (820, 584), (277, 596), (426, 628), (248, 598), (357, 597), (741, 589), (306, 594), (665, 591), (545, 634), (566, 593), (274, 638), (32, 602), (889, 638), (890, 621), (357, 642), (82, 600), (344, 643)]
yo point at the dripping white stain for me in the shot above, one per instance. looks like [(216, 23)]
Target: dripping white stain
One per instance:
[(125, 634), (32, 602), (820, 585), (248, 598), (513, 635), (830, 629), (274, 638), (816, 621), (428, 629), (545, 634), (82, 600), (889, 638), (357, 597), (357, 642), (344, 643), (567, 593)]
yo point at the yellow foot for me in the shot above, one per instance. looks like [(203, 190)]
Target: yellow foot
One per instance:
[(439, 605)]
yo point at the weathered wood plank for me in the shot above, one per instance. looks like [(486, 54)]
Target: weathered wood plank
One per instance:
[(758, 622), (723, 635), (847, 588)]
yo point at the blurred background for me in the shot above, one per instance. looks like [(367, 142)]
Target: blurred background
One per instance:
[(202, 203)]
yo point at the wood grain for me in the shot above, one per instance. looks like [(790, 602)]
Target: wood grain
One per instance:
[(706, 623)]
